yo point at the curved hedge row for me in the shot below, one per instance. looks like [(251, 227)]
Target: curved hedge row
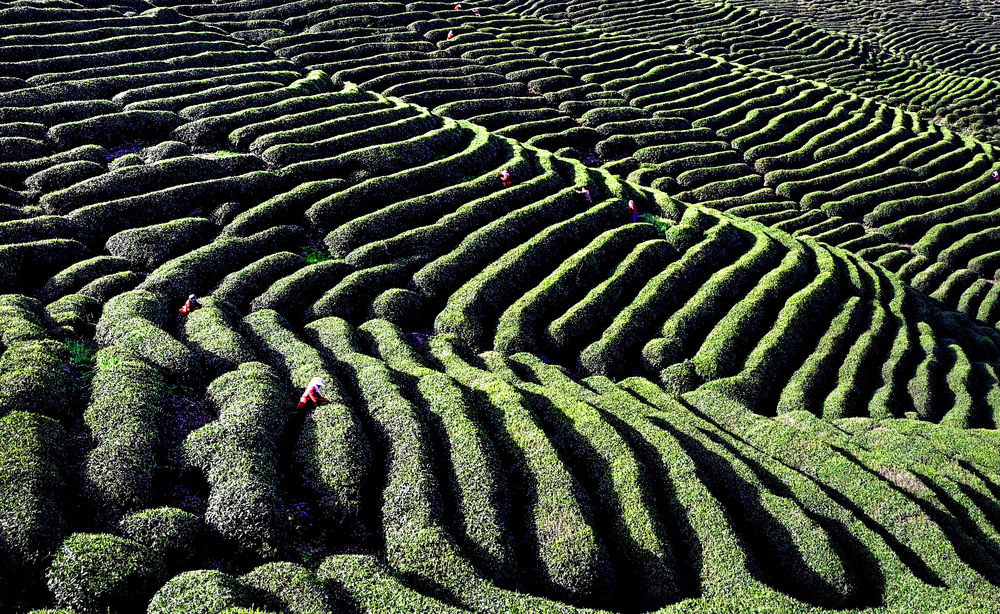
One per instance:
[(238, 453)]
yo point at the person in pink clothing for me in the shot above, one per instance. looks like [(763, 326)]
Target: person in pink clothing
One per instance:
[(634, 210), (506, 179), (585, 194)]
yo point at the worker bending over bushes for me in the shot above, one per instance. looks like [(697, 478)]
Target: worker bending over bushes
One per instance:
[(313, 394), (190, 305)]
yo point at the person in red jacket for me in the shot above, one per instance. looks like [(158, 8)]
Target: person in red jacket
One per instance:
[(451, 34), (313, 394), (506, 179), (476, 12), (190, 305), (996, 175)]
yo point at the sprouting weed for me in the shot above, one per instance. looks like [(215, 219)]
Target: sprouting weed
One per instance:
[(108, 361), (314, 254), (80, 354), (661, 225)]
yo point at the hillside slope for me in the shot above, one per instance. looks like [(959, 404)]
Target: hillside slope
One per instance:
[(540, 401)]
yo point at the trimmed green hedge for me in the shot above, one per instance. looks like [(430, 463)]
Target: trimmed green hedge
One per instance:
[(518, 327), (178, 102), (521, 245), (107, 287), (34, 377), (351, 296), (166, 150), (386, 197), (32, 490), (79, 274), (814, 379), (197, 271), (688, 326), (240, 287), (758, 381), (28, 265), (316, 82), (173, 534), (448, 223), (103, 219), (92, 573), (272, 336), (114, 129), (72, 314), (572, 561), (369, 583), (592, 314), (333, 449), (126, 182), (292, 294), (58, 112), (150, 246), (304, 123), (400, 306), (240, 458), (61, 176), (202, 592), (22, 318), (213, 335), (383, 126), (284, 208), (215, 130), (961, 412), (126, 161), (293, 589), (477, 480), (416, 537), (633, 326), (134, 321), (859, 374), (615, 476), (725, 347), (126, 404)]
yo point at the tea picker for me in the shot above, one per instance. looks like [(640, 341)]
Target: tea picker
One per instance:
[(634, 210), (190, 305), (313, 394)]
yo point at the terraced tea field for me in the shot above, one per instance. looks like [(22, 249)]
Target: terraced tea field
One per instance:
[(726, 341)]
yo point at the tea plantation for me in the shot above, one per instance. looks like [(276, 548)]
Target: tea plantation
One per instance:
[(727, 339)]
